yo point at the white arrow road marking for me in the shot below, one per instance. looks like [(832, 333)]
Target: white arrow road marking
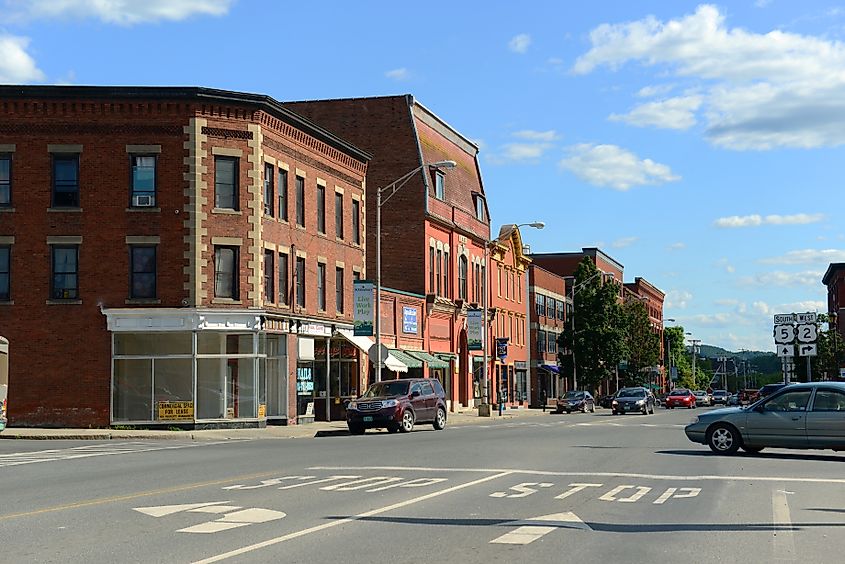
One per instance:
[(215, 509), (527, 534), (211, 527), (783, 543), (162, 510)]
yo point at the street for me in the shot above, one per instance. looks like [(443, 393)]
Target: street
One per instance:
[(585, 487)]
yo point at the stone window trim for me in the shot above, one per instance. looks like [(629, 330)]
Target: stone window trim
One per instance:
[(146, 149), (227, 241), (66, 149), (226, 211), (135, 210), (301, 254), (337, 263), (226, 152), (339, 190), (63, 302), (321, 260), (301, 173), (143, 240), (7, 147), (270, 160), (7, 239), (64, 240), (142, 301), (320, 181), (283, 166)]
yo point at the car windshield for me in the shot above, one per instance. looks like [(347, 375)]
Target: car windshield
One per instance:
[(698, 393), (679, 393), (631, 393), (574, 395), (387, 389)]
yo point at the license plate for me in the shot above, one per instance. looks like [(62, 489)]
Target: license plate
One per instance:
[(368, 419)]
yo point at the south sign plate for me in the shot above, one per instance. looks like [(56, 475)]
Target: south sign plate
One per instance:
[(782, 318)]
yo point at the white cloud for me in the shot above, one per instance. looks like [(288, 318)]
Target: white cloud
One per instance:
[(623, 242), (531, 135), (655, 90), (756, 220), (762, 3), (671, 113), (807, 256), (716, 319), (123, 12), (615, 167), (761, 307), (398, 74), (555, 61), (769, 90), (677, 299), (810, 278), (519, 43), (677, 246), (16, 65), (519, 153)]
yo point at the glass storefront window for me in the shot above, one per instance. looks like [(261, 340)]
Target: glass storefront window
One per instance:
[(133, 390), (172, 381), (209, 342), (242, 389), (152, 344), (210, 390)]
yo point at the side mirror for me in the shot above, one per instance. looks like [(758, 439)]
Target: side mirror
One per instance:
[(415, 394), (759, 408)]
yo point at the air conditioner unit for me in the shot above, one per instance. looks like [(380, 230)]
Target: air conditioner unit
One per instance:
[(143, 201)]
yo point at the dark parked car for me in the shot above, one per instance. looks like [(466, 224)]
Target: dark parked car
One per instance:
[(797, 416), (630, 400), (720, 396), (768, 390), (606, 401), (576, 401), (680, 397), (397, 405)]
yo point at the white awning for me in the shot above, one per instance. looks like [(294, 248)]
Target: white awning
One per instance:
[(365, 343)]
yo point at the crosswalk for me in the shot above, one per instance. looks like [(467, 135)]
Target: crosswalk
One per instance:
[(89, 451)]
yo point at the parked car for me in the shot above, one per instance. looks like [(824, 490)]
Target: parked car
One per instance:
[(748, 395), (576, 401), (680, 397), (701, 398), (606, 401), (802, 416), (397, 405), (720, 396), (734, 399), (769, 389), (629, 400)]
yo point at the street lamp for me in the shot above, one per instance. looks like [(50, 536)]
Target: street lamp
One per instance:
[(572, 292), (392, 188), (487, 244)]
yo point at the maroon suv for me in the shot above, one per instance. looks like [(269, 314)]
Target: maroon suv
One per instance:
[(396, 405)]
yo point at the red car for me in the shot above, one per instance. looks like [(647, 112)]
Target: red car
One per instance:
[(680, 397)]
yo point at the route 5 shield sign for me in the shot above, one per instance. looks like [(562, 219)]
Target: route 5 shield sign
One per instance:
[(784, 334)]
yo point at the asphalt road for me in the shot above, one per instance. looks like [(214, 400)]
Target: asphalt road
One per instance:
[(583, 487)]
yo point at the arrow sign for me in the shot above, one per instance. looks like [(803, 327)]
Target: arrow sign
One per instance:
[(528, 533), (786, 350), (807, 350)]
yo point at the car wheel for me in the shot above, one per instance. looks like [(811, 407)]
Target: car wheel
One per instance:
[(593, 408), (558, 411), (356, 429), (440, 419), (584, 409), (393, 428), (751, 450), (407, 424), (568, 411), (723, 439)]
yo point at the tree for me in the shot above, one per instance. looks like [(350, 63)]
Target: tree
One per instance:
[(598, 335), (641, 342), (675, 346), (831, 353)]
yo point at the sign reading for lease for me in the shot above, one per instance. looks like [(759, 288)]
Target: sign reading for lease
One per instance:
[(176, 410)]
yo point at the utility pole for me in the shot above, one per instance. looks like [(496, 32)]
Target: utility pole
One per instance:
[(694, 346)]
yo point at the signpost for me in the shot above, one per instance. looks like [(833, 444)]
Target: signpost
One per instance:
[(791, 329)]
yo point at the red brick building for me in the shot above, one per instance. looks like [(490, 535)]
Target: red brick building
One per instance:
[(834, 280), (175, 256), (549, 310), (652, 297), (433, 229)]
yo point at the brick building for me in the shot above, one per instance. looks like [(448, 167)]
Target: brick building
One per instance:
[(834, 280), (652, 297), (175, 255), (549, 310), (433, 229)]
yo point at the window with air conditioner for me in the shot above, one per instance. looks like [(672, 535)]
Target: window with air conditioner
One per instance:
[(143, 188)]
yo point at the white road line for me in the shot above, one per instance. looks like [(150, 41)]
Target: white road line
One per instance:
[(529, 533), (783, 543), (696, 477), (88, 451), (324, 526)]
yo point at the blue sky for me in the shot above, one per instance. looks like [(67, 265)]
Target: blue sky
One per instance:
[(700, 145)]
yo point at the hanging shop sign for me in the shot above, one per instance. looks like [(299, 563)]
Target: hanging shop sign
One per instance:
[(363, 294), (502, 348), (474, 333)]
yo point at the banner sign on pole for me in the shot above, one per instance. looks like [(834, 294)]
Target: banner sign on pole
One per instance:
[(474, 333), (502, 348), (363, 299)]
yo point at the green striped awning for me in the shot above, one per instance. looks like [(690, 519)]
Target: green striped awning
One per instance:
[(406, 359), (431, 360)]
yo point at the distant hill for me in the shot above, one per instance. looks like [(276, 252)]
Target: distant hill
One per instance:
[(764, 362)]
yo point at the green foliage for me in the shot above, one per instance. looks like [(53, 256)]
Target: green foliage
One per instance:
[(641, 343), (600, 327)]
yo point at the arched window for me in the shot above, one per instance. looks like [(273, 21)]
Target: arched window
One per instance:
[(462, 277)]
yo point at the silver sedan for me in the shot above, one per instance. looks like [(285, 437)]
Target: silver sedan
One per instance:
[(803, 416)]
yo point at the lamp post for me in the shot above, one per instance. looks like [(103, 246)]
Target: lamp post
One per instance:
[(484, 407), (572, 292), (392, 188), (669, 349), (694, 344)]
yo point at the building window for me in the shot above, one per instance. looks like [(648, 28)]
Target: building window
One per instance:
[(65, 279), (143, 181), (269, 276), (338, 215), (431, 272), (300, 281), (5, 181), (541, 342), (540, 301), (283, 194), (66, 181), (5, 273), (269, 196), (321, 209), (300, 201), (356, 222), (559, 309), (356, 275), (499, 279), (143, 281), (439, 186), (321, 286), (463, 266), (479, 208), (338, 289), (226, 272), (438, 271), (552, 337), (447, 290), (478, 284), (519, 287), (283, 279), (226, 183)]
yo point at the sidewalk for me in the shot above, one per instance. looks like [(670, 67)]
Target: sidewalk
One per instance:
[(311, 430)]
